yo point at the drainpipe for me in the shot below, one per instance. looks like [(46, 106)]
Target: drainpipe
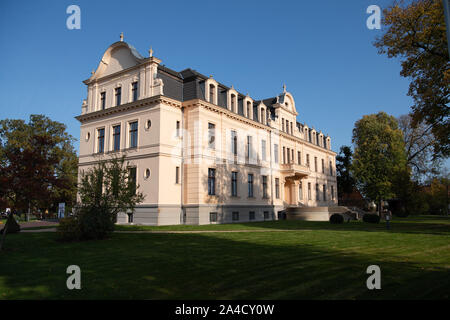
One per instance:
[(182, 167)]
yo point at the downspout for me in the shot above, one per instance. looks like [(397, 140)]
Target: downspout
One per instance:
[(183, 220)]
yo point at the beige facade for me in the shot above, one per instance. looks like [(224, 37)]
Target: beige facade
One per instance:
[(202, 152)]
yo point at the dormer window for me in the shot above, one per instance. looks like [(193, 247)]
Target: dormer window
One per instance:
[(249, 105), (212, 91), (134, 90), (103, 100), (233, 103), (118, 94)]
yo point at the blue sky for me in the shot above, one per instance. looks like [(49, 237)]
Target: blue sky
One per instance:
[(322, 50)]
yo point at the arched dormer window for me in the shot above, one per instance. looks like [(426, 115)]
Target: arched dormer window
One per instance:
[(211, 91), (232, 103), (248, 107), (263, 118)]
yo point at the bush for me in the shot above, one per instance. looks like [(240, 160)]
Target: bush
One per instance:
[(69, 229), (11, 223), (336, 218), (371, 218)]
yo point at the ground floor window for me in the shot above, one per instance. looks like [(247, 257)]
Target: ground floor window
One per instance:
[(235, 216), (213, 217), (266, 215), (300, 191), (130, 217), (251, 215)]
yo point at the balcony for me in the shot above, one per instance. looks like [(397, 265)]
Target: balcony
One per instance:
[(294, 170)]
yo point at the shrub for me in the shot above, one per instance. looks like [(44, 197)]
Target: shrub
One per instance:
[(11, 223), (69, 229), (371, 218), (336, 218)]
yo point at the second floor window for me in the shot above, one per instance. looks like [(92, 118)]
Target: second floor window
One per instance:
[(234, 184), (323, 166), (331, 168), (133, 134), (250, 185), (211, 135), (299, 157), (118, 93), (263, 150), (275, 153), (211, 181), (101, 140), (233, 142), (315, 164), (307, 160), (134, 91), (103, 100), (116, 138), (249, 147)]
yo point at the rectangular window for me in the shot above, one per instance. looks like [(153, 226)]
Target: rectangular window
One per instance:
[(249, 147), (101, 140), (309, 190), (317, 192), (288, 157), (292, 131), (235, 216), (211, 136), (211, 182), (323, 166), (324, 192), (118, 93), (213, 217), (103, 100), (315, 164), (133, 134), (299, 157), (266, 215), (284, 154), (282, 124), (331, 168), (212, 90), (275, 153), (307, 161), (251, 215), (263, 150), (287, 126), (332, 192), (277, 188), (177, 175), (132, 179), (264, 186), (134, 90), (292, 156), (116, 138), (234, 142), (177, 128), (234, 184), (250, 185), (300, 191)]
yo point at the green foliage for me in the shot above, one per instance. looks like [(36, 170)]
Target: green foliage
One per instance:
[(105, 190), (336, 218), (371, 218), (345, 180), (416, 33), (38, 165), (69, 229), (379, 162)]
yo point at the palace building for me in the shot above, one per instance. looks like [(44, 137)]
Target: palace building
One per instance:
[(200, 151)]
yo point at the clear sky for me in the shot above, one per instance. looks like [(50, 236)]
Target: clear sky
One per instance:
[(322, 50)]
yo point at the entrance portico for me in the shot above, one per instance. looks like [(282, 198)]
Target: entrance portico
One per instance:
[(292, 175)]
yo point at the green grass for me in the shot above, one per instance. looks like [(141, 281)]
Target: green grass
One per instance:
[(315, 260)]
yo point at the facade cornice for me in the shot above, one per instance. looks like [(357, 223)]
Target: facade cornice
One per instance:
[(159, 99)]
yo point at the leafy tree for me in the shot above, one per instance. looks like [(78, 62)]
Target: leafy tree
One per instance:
[(379, 161), (104, 190), (416, 33), (345, 180), (38, 165)]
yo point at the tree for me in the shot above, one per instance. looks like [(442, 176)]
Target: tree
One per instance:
[(104, 190), (419, 141), (345, 180), (379, 161), (38, 165), (416, 33)]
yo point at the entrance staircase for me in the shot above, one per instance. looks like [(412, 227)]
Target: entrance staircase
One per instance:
[(320, 213)]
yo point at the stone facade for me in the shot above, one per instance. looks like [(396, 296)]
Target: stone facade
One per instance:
[(201, 151)]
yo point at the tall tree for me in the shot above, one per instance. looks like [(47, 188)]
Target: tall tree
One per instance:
[(38, 165), (416, 33), (345, 180), (419, 141), (379, 161)]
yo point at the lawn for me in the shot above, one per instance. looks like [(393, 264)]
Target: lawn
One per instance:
[(311, 260)]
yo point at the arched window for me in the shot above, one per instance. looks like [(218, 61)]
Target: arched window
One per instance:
[(212, 93)]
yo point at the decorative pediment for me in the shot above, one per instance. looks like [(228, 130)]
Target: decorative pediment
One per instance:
[(119, 56)]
